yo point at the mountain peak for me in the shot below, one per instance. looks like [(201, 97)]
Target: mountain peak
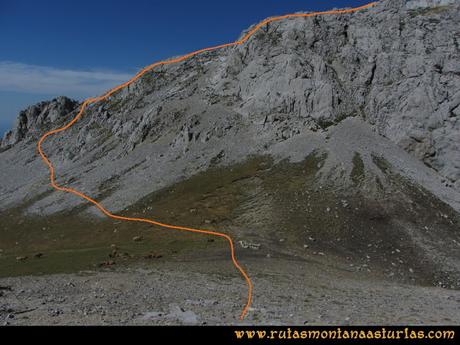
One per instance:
[(33, 120)]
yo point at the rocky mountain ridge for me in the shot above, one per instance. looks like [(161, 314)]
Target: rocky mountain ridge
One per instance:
[(394, 67)]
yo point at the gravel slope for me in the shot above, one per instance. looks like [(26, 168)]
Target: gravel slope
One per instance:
[(203, 292)]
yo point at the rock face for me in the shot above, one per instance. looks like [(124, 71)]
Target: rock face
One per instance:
[(393, 68), (396, 66), (413, 4), (35, 119)]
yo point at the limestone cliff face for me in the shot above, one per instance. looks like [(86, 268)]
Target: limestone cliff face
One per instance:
[(394, 68), (37, 118), (397, 66)]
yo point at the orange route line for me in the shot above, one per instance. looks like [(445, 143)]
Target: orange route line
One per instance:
[(90, 101)]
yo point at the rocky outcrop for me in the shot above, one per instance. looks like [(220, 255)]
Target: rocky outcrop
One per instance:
[(38, 117)]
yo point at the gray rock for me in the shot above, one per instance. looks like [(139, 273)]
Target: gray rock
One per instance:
[(393, 68), (32, 121)]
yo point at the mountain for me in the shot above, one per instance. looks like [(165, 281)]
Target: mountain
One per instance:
[(331, 138)]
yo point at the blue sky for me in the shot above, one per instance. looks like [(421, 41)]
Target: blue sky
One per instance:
[(81, 48)]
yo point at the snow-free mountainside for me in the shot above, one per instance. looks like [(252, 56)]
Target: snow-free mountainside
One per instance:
[(328, 147)]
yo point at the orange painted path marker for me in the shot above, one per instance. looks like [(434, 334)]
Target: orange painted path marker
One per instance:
[(90, 101)]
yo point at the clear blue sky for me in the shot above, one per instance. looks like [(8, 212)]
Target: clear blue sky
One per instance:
[(81, 48)]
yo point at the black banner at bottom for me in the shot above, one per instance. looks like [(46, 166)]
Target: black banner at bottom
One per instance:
[(253, 334)]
